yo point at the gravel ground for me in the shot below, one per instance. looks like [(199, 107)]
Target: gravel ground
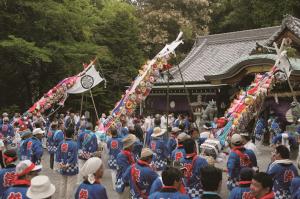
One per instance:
[(263, 161)]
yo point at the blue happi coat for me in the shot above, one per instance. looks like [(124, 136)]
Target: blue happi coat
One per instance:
[(178, 153), (31, 149), (259, 129), (168, 193), (87, 144), (172, 143), (7, 132), (278, 139), (7, 177), (137, 149), (114, 146), (140, 178), (191, 165), (236, 162), (282, 174), (238, 192), (156, 185), (54, 137), (124, 160), (275, 127), (295, 188), (90, 191), (161, 153), (16, 191), (67, 154)]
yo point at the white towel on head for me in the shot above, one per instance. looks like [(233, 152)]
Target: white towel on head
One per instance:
[(90, 167)]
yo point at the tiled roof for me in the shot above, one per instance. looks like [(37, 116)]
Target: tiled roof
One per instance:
[(213, 54), (289, 22)]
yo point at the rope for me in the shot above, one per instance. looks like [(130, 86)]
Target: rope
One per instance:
[(94, 105), (187, 94)]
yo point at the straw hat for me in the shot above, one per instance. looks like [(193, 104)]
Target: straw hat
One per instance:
[(146, 152), (182, 137), (236, 139), (40, 187), (157, 132), (128, 141)]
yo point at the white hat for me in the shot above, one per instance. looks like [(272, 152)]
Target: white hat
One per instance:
[(128, 141), (38, 131), (236, 139), (4, 114), (26, 166), (90, 167), (158, 132), (146, 152), (182, 137), (299, 119), (175, 129), (40, 187)]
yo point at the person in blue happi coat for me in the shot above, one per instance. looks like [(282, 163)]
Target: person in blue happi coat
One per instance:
[(91, 187), (260, 128), (67, 163), (87, 145), (245, 180), (282, 171), (172, 142), (124, 160), (54, 137), (37, 147), (191, 165), (285, 138), (149, 132), (140, 175), (211, 178), (7, 131), (239, 158), (179, 152), (26, 137), (160, 149), (171, 178), (114, 146), (8, 174), (25, 171)]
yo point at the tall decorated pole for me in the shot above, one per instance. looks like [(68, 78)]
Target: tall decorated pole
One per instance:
[(247, 105), (141, 87)]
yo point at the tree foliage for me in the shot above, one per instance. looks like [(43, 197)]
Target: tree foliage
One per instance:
[(43, 41), (234, 15)]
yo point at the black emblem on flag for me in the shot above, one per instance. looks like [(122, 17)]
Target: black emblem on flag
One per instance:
[(87, 81)]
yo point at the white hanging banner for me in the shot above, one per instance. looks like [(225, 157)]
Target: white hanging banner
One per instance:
[(86, 80)]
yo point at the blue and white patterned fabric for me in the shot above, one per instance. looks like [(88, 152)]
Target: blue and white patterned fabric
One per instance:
[(67, 155), (161, 153)]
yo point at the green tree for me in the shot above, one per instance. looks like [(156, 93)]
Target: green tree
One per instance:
[(44, 41), (162, 21), (234, 15)]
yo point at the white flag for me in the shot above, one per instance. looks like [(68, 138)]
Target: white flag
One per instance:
[(86, 80)]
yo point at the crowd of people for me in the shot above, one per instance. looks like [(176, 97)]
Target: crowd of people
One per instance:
[(155, 157)]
